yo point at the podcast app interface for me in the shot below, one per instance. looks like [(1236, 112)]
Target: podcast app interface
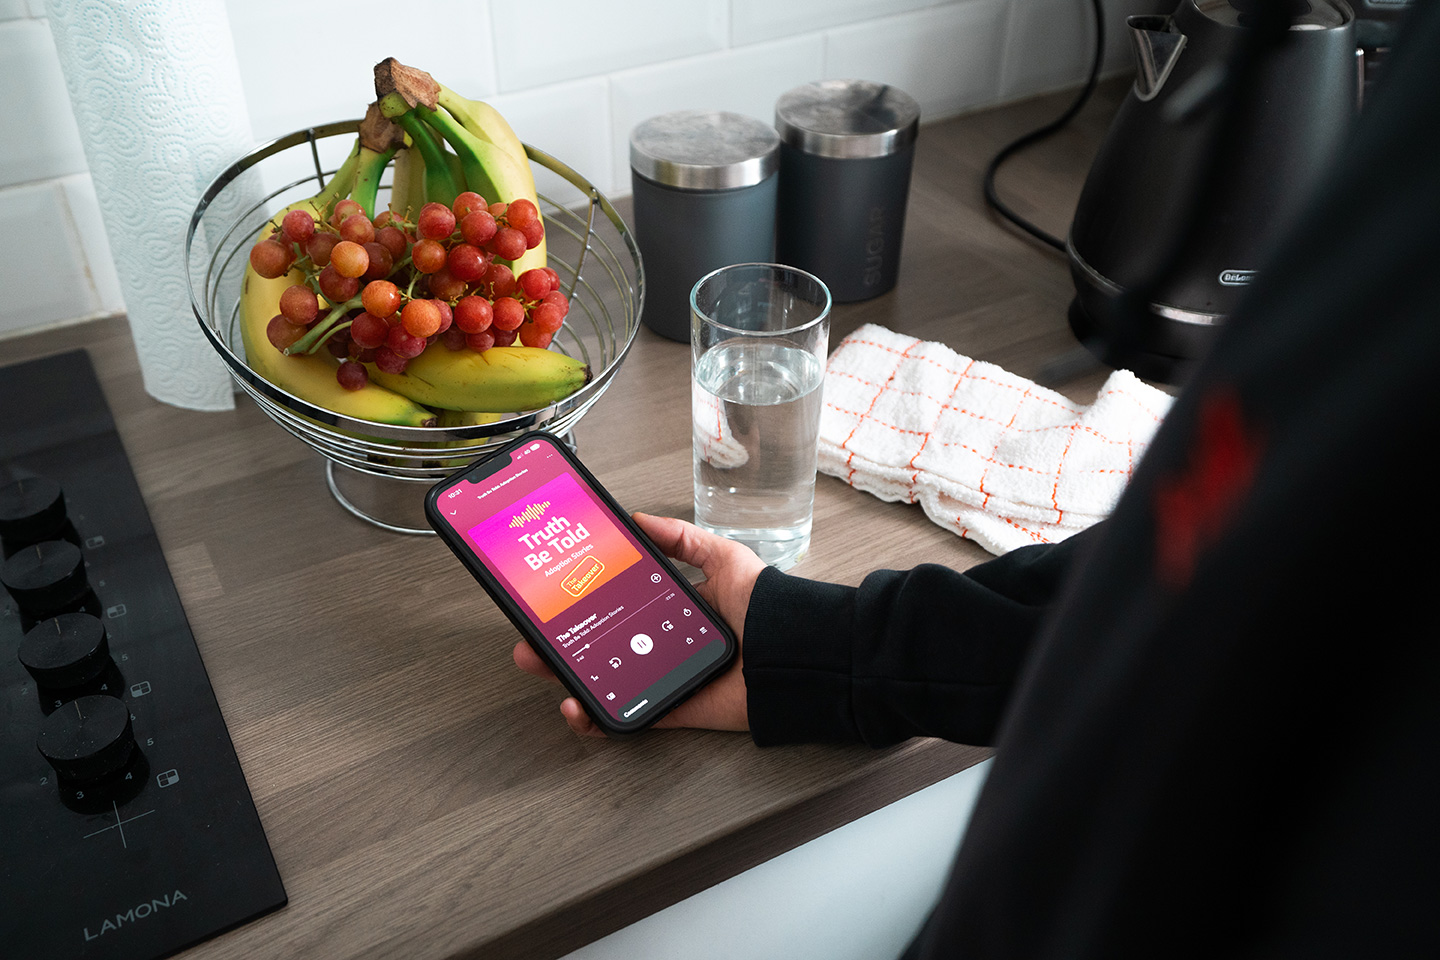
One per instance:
[(605, 606)]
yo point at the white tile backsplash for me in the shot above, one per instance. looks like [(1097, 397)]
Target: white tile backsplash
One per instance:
[(565, 39), (953, 55), (748, 80), (1050, 42), (573, 77), (759, 21), (41, 139), (79, 193), (49, 282), (569, 121), (303, 63)]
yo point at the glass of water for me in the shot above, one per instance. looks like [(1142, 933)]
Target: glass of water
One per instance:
[(759, 335)]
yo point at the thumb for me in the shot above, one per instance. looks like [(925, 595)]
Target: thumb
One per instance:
[(669, 535)]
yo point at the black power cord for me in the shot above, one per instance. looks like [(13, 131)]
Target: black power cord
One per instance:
[(991, 197)]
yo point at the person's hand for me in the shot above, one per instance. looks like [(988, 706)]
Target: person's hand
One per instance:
[(730, 571)]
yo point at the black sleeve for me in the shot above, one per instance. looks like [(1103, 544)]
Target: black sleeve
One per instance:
[(923, 652)]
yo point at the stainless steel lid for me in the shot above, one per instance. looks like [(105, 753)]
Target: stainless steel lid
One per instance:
[(847, 118), (1314, 15), (704, 150)]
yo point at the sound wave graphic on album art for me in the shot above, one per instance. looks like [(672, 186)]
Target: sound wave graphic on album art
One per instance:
[(533, 511), (549, 566)]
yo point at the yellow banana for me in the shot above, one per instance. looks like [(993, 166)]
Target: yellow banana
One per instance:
[(406, 184), (308, 376), (311, 377), (484, 121), (465, 418), (487, 123), (499, 380)]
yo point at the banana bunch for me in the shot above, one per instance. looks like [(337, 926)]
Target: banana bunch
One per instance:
[(441, 145), (488, 157), (311, 377)]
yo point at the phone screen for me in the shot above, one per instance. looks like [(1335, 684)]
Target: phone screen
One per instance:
[(609, 610)]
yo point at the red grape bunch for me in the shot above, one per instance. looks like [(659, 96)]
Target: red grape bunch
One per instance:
[(392, 288)]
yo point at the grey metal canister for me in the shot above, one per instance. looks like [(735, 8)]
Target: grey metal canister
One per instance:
[(705, 189), (847, 149)]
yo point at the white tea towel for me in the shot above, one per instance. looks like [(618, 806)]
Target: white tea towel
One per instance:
[(992, 456)]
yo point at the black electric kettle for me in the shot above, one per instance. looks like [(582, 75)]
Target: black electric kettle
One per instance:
[(1206, 159)]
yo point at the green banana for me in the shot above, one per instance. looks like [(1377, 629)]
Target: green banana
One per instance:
[(499, 380), (489, 170), (418, 87), (323, 203), (379, 141), (407, 182), (367, 179)]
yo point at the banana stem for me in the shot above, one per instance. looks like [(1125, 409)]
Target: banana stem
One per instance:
[(370, 168), (319, 333), (441, 122), (447, 98), (440, 183)]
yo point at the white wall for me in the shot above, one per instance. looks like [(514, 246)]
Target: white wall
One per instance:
[(573, 77)]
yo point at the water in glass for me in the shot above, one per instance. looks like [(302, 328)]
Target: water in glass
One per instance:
[(756, 415)]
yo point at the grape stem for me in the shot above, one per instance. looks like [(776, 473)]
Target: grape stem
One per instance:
[(330, 333), (319, 333)]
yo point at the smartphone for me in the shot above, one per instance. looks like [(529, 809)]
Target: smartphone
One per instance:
[(626, 634)]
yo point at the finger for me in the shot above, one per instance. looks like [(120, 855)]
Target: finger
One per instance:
[(528, 660), (578, 719), (665, 531), (684, 541)]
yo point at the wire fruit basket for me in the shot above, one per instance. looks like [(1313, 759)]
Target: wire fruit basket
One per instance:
[(379, 472)]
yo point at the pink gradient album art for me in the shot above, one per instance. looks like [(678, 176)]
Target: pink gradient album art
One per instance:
[(555, 546)]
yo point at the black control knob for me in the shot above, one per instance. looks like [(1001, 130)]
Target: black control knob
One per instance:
[(32, 509), (88, 739), (46, 578), (66, 651)]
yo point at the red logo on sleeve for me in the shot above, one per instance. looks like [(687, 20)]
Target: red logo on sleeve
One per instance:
[(1194, 506)]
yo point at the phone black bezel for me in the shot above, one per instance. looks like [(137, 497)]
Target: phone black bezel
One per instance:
[(532, 635)]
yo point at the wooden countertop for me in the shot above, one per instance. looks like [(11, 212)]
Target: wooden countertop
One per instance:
[(423, 798)]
